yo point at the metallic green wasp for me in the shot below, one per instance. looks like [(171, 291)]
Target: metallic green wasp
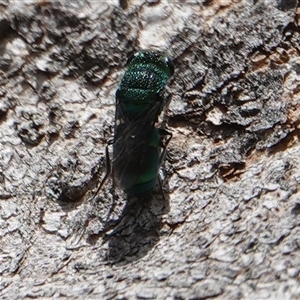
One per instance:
[(138, 146)]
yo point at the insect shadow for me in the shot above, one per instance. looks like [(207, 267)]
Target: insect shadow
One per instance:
[(136, 229), (139, 230)]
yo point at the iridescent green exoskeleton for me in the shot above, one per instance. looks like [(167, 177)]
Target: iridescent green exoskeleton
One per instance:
[(138, 146)]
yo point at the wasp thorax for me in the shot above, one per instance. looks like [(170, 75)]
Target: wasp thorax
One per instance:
[(141, 88)]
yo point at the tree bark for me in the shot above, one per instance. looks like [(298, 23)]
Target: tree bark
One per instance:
[(227, 226)]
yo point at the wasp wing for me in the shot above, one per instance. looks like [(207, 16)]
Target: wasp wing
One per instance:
[(136, 146)]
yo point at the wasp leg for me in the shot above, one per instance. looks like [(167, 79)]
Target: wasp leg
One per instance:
[(108, 169), (161, 187), (163, 133)]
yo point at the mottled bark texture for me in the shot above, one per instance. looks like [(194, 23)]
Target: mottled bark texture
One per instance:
[(228, 226)]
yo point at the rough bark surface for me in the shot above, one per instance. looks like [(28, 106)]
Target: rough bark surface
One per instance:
[(228, 226)]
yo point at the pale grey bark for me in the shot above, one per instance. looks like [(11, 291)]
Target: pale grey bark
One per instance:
[(229, 224)]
